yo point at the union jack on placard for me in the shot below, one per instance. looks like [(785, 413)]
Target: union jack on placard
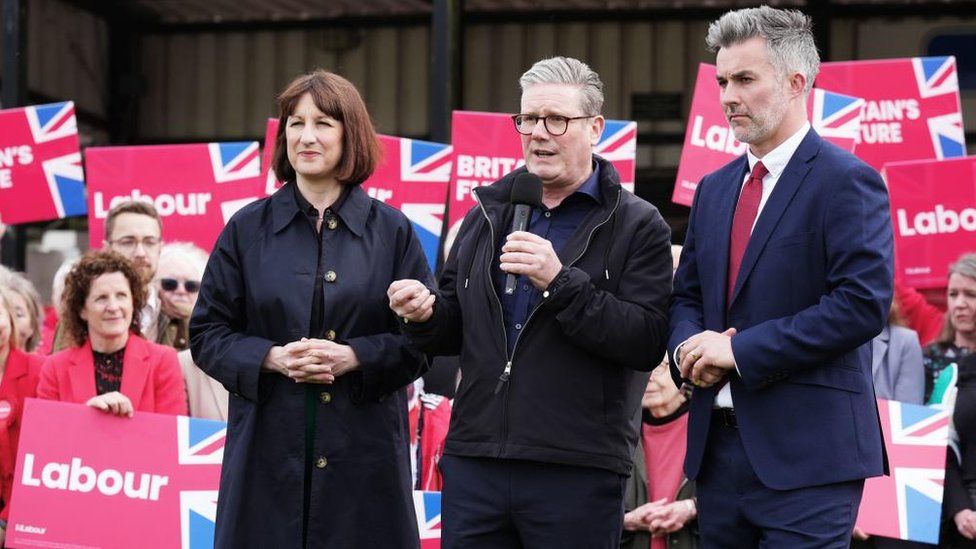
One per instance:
[(428, 507), (908, 503), (66, 181), (619, 140), (198, 517), (200, 441), (52, 121), (935, 75), (235, 161), (425, 161), (836, 115), (948, 135)]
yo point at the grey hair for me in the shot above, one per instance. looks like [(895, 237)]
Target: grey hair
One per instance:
[(788, 35), (566, 70), (187, 251), (965, 265)]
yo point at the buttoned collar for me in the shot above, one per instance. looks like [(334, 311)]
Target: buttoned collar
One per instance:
[(352, 207)]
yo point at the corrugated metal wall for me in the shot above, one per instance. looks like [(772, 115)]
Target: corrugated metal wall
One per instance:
[(67, 54), (221, 85)]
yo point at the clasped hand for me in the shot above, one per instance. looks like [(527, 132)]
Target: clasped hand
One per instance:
[(312, 360), (707, 357)]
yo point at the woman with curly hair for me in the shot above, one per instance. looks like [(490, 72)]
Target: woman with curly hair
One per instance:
[(110, 366)]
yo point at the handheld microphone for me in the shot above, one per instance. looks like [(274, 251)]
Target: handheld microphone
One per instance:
[(526, 193)]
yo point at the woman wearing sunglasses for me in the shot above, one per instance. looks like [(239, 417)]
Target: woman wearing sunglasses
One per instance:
[(181, 267)]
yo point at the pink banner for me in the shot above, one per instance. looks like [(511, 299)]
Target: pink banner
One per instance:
[(486, 147), (88, 479), (933, 208), (908, 503), (40, 165), (912, 111), (710, 144), (413, 177), (195, 188)]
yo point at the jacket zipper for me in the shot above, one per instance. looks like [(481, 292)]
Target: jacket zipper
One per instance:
[(494, 292), (507, 372)]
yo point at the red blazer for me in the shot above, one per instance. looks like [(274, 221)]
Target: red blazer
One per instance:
[(151, 377), (19, 382)]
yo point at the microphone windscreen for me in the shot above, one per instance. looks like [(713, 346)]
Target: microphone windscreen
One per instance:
[(527, 189)]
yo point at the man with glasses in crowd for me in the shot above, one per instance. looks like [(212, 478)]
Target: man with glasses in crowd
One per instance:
[(134, 229), (545, 419)]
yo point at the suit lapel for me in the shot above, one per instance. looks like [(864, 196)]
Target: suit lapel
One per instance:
[(134, 369), (789, 182), (81, 373)]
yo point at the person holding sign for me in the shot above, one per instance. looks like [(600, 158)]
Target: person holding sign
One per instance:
[(109, 366), (19, 371), (545, 420), (291, 318), (784, 279)]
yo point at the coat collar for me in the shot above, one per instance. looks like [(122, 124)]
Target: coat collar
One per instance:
[(789, 182), (498, 194), (496, 200), (81, 370), (354, 211)]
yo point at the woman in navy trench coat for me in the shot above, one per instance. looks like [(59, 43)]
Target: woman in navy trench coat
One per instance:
[(293, 320)]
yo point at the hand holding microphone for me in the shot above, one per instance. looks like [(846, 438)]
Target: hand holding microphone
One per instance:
[(525, 253)]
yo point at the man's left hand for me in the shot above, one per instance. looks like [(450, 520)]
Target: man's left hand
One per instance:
[(707, 357), (527, 254)]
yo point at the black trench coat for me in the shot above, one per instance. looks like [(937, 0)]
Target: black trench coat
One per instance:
[(256, 293)]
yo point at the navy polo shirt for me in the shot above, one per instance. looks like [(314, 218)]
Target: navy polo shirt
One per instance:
[(557, 226)]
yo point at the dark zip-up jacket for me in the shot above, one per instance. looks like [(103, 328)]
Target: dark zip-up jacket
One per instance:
[(570, 392)]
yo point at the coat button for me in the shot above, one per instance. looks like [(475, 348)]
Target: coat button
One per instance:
[(331, 223), (330, 335), (325, 397), (321, 462), (330, 276)]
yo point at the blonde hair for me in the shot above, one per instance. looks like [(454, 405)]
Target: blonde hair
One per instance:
[(8, 306)]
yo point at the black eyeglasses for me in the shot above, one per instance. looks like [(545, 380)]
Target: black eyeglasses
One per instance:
[(171, 284), (555, 124)]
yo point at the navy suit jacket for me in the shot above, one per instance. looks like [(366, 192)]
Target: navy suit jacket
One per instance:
[(814, 289)]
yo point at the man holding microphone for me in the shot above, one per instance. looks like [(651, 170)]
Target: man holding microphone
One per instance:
[(552, 370)]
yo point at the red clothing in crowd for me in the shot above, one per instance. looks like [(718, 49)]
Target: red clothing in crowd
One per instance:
[(19, 382), (429, 418), (919, 314), (151, 377), (48, 330), (664, 458)]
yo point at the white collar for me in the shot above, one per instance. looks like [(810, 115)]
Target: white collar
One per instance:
[(777, 159)]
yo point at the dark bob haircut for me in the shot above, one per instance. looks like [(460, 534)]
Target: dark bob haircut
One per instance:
[(78, 283), (338, 98)]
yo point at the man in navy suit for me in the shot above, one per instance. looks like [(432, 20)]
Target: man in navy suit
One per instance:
[(785, 277)]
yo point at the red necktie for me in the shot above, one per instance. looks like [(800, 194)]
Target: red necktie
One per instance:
[(745, 216)]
